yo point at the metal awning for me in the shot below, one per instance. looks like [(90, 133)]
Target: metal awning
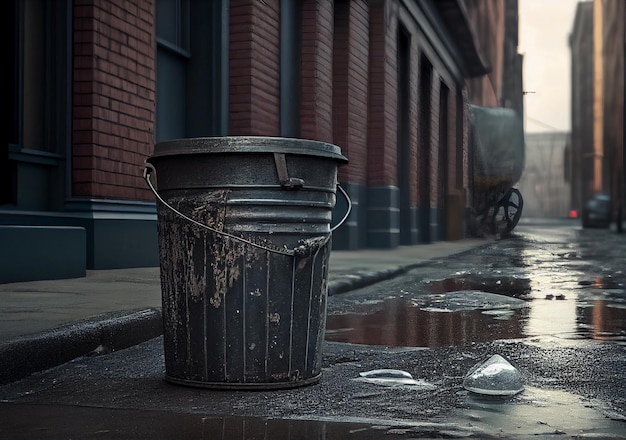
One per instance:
[(454, 15)]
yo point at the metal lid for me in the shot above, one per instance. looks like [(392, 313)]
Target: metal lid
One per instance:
[(246, 144)]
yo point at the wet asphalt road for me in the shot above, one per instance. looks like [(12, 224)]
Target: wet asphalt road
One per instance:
[(551, 299), (551, 280)]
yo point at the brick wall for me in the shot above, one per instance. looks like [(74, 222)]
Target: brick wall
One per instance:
[(254, 68), (114, 97), (316, 71), (350, 87), (488, 19), (348, 95), (383, 96)]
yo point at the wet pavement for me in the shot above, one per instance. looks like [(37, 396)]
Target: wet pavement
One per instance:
[(550, 299), (565, 283), (576, 391)]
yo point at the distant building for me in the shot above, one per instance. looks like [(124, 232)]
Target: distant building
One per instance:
[(598, 127)]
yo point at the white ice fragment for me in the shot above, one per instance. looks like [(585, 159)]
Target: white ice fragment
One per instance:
[(391, 377), (386, 373)]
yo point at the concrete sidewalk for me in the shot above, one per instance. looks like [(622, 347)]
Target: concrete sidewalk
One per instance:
[(46, 323)]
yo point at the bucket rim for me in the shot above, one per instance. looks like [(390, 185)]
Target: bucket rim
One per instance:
[(246, 144)]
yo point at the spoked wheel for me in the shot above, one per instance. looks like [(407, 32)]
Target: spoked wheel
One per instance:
[(508, 211)]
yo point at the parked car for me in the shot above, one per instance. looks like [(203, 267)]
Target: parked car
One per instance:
[(597, 212)]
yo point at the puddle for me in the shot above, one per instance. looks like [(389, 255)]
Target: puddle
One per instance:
[(400, 322), (503, 308), (602, 320), (537, 412), (573, 284), (22, 421)]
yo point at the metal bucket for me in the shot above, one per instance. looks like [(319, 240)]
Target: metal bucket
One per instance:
[(245, 231)]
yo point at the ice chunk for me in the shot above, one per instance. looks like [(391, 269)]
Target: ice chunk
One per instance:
[(392, 377), (387, 373), (494, 377)]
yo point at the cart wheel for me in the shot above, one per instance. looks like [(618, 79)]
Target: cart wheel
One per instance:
[(508, 211)]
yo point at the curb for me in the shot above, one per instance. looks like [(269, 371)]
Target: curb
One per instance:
[(21, 357), (363, 279), (25, 355)]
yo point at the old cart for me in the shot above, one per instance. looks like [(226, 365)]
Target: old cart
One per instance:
[(497, 161)]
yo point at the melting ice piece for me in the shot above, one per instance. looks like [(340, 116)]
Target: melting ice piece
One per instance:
[(387, 373), (494, 377), (392, 377)]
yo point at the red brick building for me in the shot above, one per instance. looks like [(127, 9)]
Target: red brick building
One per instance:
[(98, 82)]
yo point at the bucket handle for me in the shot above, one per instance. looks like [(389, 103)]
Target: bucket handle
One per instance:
[(305, 249)]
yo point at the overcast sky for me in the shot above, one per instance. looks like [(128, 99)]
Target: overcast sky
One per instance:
[(544, 28)]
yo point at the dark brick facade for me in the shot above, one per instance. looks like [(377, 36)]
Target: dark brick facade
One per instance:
[(254, 68), (114, 98), (317, 71), (384, 80)]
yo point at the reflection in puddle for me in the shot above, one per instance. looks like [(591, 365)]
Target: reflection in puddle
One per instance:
[(602, 320), (51, 422), (399, 322), (574, 286), (458, 318), (551, 317), (538, 412)]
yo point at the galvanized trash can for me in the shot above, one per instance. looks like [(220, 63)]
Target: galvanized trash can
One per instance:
[(244, 228)]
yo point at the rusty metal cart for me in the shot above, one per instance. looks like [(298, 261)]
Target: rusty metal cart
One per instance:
[(497, 157)]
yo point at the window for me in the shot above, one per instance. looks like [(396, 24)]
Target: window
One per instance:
[(37, 138), (192, 69), (172, 26)]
